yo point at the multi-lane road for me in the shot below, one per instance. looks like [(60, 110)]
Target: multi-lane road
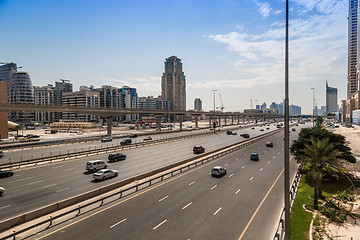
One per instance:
[(248, 182), (243, 204)]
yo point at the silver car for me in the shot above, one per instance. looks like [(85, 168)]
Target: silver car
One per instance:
[(2, 191), (104, 174), (218, 171)]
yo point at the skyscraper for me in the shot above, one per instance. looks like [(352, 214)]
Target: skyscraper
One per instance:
[(353, 47), (173, 84), (331, 99), (198, 104)]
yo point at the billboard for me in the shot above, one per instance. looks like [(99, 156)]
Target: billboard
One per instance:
[(355, 117)]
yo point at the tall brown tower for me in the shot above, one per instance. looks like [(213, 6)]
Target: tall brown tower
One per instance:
[(3, 115)]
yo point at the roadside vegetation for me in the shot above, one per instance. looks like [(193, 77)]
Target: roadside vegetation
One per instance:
[(326, 190)]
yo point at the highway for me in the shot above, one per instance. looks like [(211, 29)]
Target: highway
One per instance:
[(34, 187), (243, 204)]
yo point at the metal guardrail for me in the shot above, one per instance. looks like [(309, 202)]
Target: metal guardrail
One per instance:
[(280, 230), (81, 209)]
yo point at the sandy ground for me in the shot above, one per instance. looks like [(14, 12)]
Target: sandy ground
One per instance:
[(350, 229)]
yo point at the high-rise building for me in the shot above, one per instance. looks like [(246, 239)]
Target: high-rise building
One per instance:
[(44, 96), (3, 115), (109, 96), (197, 104), (331, 99), (21, 92), (60, 88), (6, 72), (353, 47), (128, 99), (263, 106), (173, 84)]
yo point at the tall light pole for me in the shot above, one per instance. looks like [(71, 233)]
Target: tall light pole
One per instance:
[(214, 122), (313, 106), (286, 131)]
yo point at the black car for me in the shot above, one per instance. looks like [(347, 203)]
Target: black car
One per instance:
[(229, 132), (116, 157), (198, 149), (126, 141), (133, 135), (6, 173), (245, 135)]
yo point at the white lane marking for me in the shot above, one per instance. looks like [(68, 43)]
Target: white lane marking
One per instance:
[(160, 224), (23, 179), (192, 183), (217, 211), (61, 190), (5, 206), (237, 158), (278, 152), (282, 149), (231, 175), (58, 167), (51, 185), (261, 169), (226, 165), (268, 162), (163, 198), (118, 223), (35, 182), (237, 191), (245, 153), (213, 187), (187, 205), (242, 167), (79, 171), (273, 156), (251, 178), (68, 169), (259, 155)]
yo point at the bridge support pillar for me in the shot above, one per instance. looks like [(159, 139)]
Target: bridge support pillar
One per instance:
[(181, 120), (232, 120), (225, 120), (109, 123), (158, 122), (209, 122), (196, 122)]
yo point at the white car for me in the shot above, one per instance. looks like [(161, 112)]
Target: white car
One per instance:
[(2, 191), (104, 174), (218, 171)]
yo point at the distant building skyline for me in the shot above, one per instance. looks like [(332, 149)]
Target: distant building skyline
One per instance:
[(197, 104), (331, 99)]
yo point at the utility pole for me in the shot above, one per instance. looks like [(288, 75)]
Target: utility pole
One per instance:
[(286, 131), (214, 123), (313, 106)]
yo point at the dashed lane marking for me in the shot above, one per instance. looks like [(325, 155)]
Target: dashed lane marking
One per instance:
[(163, 198), (118, 223)]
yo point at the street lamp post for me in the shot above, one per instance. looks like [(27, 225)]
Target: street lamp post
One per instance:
[(313, 106), (214, 122)]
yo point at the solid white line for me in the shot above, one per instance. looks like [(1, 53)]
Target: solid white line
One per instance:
[(192, 183), (62, 190), (217, 211), (58, 167), (160, 224), (118, 223), (261, 169), (226, 165), (237, 191), (68, 169), (243, 166), (35, 182), (268, 162), (186, 205), (51, 185), (251, 178), (5, 206), (163, 198), (231, 175), (23, 179), (213, 187)]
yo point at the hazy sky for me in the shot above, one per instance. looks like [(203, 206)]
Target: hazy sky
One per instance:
[(234, 46)]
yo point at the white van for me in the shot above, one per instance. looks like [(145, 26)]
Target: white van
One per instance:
[(95, 165)]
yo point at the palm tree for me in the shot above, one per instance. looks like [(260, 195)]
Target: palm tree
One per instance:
[(320, 156)]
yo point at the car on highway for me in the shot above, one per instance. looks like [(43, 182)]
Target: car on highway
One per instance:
[(1, 154), (228, 132), (148, 138), (104, 174), (245, 135), (198, 149), (106, 139), (116, 157), (218, 171), (267, 128), (2, 191), (269, 144), (133, 135), (125, 141), (234, 133), (252, 128), (6, 173), (261, 129), (31, 136), (95, 165), (293, 129), (254, 157)]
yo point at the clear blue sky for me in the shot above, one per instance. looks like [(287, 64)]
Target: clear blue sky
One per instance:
[(236, 47)]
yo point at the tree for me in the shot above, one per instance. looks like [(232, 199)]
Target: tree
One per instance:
[(319, 120), (320, 156)]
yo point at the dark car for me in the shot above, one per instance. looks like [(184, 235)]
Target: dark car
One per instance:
[(245, 135), (1, 154), (198, 149), (6, 173), (116, 157), (126, 141), (229, 132), (148, 138), (254, 157), (31, 136), (133, 135), (269, 144), (293, 129), (106, 139)]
